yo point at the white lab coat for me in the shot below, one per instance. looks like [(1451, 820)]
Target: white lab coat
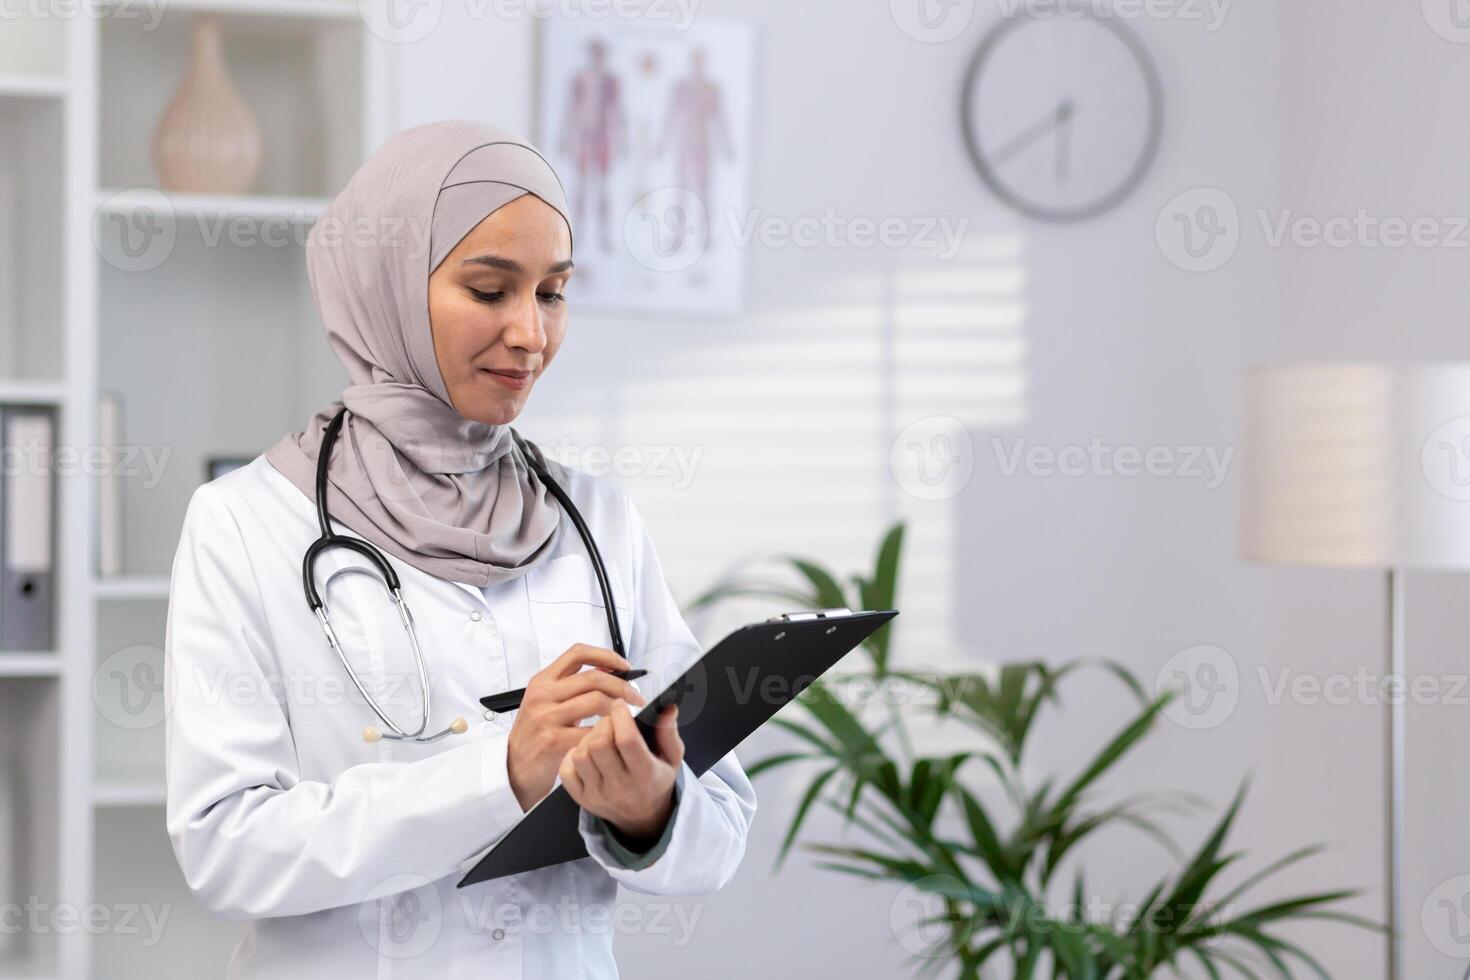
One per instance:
[(344, 855)]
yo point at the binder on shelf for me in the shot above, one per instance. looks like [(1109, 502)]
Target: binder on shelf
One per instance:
[(109, 489), (27, 527), (9, 262)]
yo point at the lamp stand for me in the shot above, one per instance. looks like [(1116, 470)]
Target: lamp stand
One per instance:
[(1394, 773)]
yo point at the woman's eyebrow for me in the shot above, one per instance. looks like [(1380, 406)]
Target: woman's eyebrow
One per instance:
[(511, 265)]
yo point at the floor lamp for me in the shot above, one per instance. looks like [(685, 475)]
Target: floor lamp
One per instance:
[(1362, 465)]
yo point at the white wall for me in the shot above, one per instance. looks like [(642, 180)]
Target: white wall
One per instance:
[(1373, 94), (1311, 105)]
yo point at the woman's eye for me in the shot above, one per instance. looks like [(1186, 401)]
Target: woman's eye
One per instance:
[(494, 297)]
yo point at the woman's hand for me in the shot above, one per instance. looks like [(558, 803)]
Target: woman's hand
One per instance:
[(613, 774), (557, 697)]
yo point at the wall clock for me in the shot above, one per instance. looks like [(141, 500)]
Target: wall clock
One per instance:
[(1062, 115)]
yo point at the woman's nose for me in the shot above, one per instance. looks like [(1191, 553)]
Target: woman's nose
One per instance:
[(524, 329)]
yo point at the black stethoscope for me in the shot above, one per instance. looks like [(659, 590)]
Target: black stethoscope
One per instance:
[(330, 540)]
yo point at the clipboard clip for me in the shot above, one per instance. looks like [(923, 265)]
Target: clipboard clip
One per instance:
[(796, 617)]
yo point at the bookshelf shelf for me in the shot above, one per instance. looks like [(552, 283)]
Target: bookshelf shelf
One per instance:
[(32, 392), (302, 210), (116, 793), (132, 587), (331, 10), (45, 664), (25, 86)]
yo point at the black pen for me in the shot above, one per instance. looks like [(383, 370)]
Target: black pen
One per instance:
[(511, 700)]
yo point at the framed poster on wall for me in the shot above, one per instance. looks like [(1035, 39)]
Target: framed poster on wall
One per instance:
[(650, 130)]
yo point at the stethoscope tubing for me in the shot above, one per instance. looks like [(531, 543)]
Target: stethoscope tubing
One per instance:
[(328, 539), (538, 465)]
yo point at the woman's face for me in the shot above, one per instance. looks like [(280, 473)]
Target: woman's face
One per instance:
[(497, 310)]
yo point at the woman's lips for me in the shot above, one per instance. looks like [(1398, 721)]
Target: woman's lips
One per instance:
[(514, 380)]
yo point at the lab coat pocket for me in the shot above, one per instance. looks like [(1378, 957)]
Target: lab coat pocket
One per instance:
[(567, 607)]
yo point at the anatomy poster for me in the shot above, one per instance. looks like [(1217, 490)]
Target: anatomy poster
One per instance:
[(650, 130)]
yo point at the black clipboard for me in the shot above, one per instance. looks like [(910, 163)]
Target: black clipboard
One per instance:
[(724, 696)]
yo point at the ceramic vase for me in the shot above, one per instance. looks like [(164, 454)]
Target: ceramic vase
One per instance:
[(208, 141)]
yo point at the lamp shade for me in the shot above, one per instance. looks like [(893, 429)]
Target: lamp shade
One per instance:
[(1357, 465)]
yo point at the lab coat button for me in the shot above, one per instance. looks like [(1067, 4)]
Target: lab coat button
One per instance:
[(498, 934), (475, 616)]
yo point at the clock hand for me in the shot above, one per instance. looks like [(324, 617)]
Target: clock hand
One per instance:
[(1065, 113), (1026, 137)]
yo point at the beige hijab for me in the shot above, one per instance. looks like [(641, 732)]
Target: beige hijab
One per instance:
[(443, 493)]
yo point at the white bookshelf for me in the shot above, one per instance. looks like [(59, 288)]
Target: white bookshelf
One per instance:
[(214, 350)]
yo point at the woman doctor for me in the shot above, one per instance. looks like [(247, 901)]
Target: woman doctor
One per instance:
[(439, 273)]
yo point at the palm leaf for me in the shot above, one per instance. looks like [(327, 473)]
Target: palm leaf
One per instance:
[(807, 798)]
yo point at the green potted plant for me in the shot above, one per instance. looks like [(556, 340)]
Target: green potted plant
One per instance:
[(993, 873)]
